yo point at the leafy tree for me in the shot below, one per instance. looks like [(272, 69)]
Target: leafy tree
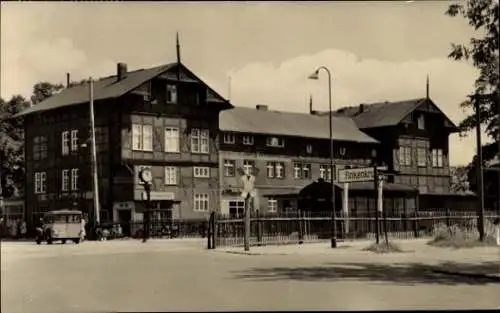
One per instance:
[(43, 90), (483, 16), (459, 179), (11, 145), (491, 178)]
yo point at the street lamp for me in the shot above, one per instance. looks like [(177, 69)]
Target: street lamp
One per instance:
[(315, 76)]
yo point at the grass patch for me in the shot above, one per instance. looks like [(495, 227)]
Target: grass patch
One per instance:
[(384, 247), (463, 236)]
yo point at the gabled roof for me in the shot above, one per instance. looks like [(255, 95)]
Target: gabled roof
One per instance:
[(109, 88), (249, 120), (384, 113)]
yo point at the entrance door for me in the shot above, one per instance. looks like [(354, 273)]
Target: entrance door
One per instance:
[(124, 218)]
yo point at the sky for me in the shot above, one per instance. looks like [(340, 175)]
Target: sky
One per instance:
[(253, 52)]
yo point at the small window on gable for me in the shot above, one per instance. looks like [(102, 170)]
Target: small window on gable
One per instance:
[(275, 142), (229, 138), (171, 94), (421, 122)]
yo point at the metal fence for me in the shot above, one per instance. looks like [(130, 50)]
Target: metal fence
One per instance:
[(293, 228)]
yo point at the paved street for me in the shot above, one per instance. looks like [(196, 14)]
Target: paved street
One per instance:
[(179, 275)]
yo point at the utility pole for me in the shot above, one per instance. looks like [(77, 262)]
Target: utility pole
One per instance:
[(95, 181), (479, 170)]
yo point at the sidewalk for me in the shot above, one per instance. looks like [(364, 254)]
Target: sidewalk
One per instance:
[(414, 251)]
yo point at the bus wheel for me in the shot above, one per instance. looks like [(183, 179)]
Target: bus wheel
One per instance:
[(76, 241), (63, 241)]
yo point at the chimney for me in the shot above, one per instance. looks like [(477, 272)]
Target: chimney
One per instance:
[(311, 105), (121, 71), (261, 107), (68, 81), (362, 107)]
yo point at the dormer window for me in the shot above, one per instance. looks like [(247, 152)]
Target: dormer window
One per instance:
[(171, 94), (421, 122), (229, 138), (247, 140), (275, 142)]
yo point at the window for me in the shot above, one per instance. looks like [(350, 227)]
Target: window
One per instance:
[(172, 142), (247, 140), (201, 202), (170, 175), (229, 168), (405, 156), (325, 172), (142, 137), (65, 143), (65, 180), (421, 157), (421, 122), (74, 140), (275, 170), (270, 169), (203, 172), (437, 158), (309, 148), (275, 142), (139, 168), (199, 140), (422, 184), (74, 179), (101, 139), (236, 208), (40, 182), (301, 170), (248, 167), (171, 94), (229, 138), (40, 147), (272, 205)]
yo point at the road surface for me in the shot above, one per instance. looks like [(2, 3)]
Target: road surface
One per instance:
[(180, 275)]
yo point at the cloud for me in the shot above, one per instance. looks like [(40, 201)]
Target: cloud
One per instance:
[(355, 80)]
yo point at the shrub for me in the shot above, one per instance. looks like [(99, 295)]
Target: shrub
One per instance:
[(463, 236), (383, 247)]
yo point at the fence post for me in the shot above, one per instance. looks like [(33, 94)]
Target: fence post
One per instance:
[(214, 231), (210, 230), (259, 227), (301, 230), (415, 224), (448, 216)]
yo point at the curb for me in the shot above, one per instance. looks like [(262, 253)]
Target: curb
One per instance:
[(489, 277)]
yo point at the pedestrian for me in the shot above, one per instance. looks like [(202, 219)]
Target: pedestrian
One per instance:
[(23, 229), (83, 233)]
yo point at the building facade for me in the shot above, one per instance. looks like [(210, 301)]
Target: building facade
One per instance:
[(198, 145)]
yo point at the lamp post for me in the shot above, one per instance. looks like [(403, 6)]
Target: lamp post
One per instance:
[(315, 76)]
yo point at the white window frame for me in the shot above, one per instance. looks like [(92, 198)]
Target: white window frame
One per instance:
[(229, 138), (405, 156), (205, 141), (248, 166), (238, 206), (229, 164), (437, 158), (276, 142), (172, 139), (421, 157), (170, 175), (171, 94), (147, 138), (279, 170), (306, 168), (200, 141), (201, 171), (272, 205), (271, 172), (297, 170), (65, 142), (74, 140), (40, 182), (247, 140), (65, 180), (325, 172), (201, 202), (74, 179), (137, 137)]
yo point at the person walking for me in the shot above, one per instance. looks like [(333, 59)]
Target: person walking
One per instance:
[(22, 229), (83, 233)]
